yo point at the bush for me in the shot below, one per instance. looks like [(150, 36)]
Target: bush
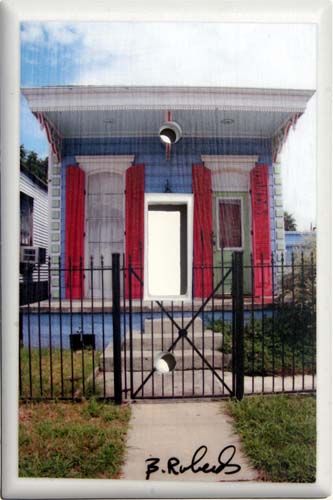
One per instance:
[(284, 343)]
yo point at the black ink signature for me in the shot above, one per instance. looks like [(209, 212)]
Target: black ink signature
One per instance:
[(174, 466)]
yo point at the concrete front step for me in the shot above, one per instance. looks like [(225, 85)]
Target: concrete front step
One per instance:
[(186, 360), (149, 341), (157, 325)]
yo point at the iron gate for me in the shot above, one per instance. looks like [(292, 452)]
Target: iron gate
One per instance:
[(72, 348), (176, 350)]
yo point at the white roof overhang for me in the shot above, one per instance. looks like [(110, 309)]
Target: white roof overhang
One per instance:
[(95, 111)]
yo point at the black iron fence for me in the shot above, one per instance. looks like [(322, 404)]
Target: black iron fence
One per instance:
[(33, 286), (95, 335)]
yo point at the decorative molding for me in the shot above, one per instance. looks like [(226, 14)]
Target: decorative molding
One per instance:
[(230, 163), (117, 164), (281, 135), (53, 136), (230, 172)]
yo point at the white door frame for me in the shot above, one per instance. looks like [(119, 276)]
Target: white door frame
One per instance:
[(170, 199)]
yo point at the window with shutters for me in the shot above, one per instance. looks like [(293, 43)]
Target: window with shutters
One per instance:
[(229, 227)]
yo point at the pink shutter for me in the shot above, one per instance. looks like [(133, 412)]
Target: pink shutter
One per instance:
[(135, 188), (202, 230), (261, 231), (74, 249)]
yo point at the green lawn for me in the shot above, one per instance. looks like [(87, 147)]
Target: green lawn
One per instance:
[(72, 440), (279, 435), (69, 371)]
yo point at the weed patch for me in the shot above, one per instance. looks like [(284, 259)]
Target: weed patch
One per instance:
[(56, 374), (72, 440), (279, 435)]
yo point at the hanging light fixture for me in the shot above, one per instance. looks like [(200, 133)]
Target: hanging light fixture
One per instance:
[(170, 132), (164, 362)]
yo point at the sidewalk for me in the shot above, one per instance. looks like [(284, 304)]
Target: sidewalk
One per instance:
[(178, 429)]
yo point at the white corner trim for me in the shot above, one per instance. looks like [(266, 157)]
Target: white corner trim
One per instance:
[(230, 163), (116, 164)]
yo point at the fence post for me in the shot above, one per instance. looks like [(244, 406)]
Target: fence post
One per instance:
[(238, 323), (116, 328)]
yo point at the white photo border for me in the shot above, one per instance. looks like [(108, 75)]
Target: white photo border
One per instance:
[(12, 12)]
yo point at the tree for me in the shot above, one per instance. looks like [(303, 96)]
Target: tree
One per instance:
[(23, 154), (289, 222), (35, 165)]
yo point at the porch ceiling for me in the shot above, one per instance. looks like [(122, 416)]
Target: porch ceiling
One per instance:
[(140, 111)]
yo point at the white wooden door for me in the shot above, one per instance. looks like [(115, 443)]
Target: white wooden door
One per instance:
[(104, 229)]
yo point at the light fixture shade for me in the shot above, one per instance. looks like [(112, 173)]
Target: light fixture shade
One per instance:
[(170, 132), (165, 362)]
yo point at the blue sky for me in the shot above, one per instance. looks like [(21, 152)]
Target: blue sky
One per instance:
[(217, 54)]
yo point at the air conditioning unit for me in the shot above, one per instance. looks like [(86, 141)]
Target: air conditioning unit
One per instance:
[(33, 255)]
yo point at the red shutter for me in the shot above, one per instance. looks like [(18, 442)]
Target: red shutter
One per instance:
[(74, 231), (261, 231), (135, 188), (202, 230)]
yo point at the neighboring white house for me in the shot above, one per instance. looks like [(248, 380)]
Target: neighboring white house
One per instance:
[(34, 226)]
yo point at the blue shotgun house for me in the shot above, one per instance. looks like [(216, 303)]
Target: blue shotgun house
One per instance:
[(176, 179)]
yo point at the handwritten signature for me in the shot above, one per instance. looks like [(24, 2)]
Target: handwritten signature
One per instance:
[(174, 466)]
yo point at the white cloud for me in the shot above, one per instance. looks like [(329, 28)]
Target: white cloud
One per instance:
[(298, 165), (49, 33), (244, 55), (235, 54), (198, 54), (32, 136), (64, 34), (32, 33)]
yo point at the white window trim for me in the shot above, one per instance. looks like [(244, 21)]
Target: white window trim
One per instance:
[(230, 163), (108, 163), (218, 199), (170, 199)]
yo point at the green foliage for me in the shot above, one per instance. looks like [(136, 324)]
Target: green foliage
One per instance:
[(35, 165), (283, 340), (279, 435), (72, 440), (280, 344), (299, 283), (289, 222)]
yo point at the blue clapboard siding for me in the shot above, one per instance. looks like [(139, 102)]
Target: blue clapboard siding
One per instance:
[(177, 170), (153, 146)]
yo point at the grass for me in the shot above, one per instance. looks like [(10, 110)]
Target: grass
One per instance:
[(82, 362), (279, 435), (72, 440)]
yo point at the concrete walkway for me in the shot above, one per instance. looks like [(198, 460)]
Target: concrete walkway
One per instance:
[(178, 429)]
